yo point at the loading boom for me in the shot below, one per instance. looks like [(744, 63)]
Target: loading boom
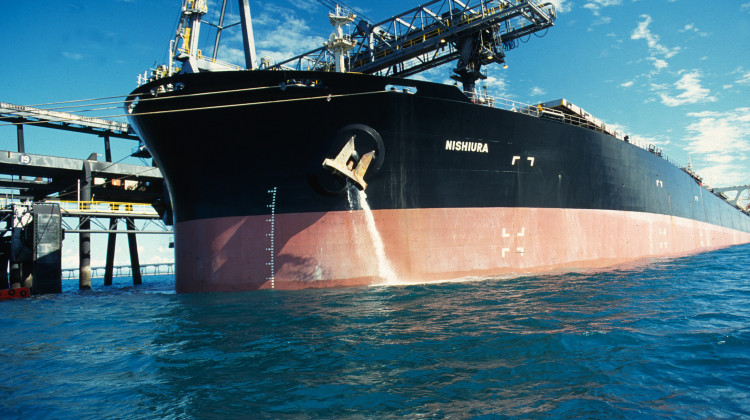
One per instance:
[(472, 32)]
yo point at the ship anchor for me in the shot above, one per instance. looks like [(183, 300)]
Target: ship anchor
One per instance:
[(347, 164)]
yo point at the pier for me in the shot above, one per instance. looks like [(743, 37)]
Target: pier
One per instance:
[(123, 270), (43, 194)]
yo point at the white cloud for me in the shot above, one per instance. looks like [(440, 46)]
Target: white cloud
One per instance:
[(72, 56), (496, 86), (627, 84), (745, 7), (70, 255), (692, 29), (659, 64), (643, 32), (720, 132), (561, 6), (715, 175), (537, 91), (652, 40), (592, 7), (420, 77), (603, 20), (288, 39), (308, 5), (161, 256), (438, 75), (280, 35), (744, 80), (232, 55), (595, 5), (722, 142), (693, 92)]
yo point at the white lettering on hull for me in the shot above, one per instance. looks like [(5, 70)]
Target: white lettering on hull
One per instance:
[(515, 159), (520, 250), (466, 146)]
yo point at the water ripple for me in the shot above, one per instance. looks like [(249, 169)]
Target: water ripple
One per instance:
[(667, 340)]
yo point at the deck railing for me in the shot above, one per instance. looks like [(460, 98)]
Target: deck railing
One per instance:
[(540, 111)]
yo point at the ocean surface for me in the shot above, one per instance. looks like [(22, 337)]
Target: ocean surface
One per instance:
[(670, 339)]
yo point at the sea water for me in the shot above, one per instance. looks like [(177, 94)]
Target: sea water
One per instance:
[(670, 339)]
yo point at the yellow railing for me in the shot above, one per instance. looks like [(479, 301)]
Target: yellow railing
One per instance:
[(196, 6), (105, 207)]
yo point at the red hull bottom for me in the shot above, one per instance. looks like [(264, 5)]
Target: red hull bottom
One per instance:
[(319, 250)]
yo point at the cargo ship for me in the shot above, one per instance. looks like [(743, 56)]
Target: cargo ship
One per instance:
[(286, 178)]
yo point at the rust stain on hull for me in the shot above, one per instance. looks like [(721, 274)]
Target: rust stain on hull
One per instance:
[(322, 250)]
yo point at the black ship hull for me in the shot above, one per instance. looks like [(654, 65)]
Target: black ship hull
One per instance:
[(456, 188)]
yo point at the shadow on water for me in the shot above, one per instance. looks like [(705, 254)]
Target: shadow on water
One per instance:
[(669, 339)]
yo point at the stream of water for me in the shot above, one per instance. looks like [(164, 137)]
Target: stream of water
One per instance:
[(358, 201)]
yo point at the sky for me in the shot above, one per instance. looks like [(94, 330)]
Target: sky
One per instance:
[(674, 73)]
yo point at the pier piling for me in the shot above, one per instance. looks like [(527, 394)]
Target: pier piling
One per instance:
[(111, 243), (111, 237), (4, 284), (35, 248), (134, 263), (46, 265), (107, 148), (84, 279), (15, 274)]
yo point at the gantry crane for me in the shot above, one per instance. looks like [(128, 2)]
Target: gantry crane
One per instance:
[(472, 32)]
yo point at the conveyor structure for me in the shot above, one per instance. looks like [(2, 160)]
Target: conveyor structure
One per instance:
[(21, 114), (472, 32)]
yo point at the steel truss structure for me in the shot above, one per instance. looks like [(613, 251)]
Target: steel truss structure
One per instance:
[(738, 190), (474, 32), (104, 224)]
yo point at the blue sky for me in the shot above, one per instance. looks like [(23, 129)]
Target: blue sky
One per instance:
[(675, 73)]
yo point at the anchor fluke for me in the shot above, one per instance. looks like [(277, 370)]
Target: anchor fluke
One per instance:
[(347, 164)]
